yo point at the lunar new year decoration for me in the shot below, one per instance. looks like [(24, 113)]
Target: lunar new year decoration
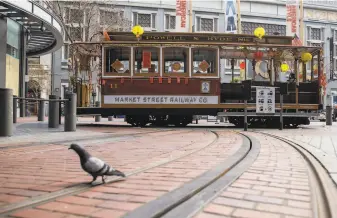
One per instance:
[(259, 32), (258, 55), (137, 31), (284, 67), (306, 56), (242, 65)]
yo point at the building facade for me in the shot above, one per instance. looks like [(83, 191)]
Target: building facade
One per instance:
[(320, 22), (27, 30)]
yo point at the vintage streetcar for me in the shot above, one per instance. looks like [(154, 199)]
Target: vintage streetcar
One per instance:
[(166, 78)]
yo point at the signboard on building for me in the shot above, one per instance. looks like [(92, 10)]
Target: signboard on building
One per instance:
[(231, 20), (159, 99), (181, 16), (265, 100), (292, 17)]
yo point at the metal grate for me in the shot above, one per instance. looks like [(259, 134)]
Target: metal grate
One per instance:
[(315, 34), (144, 20), (249, 27), (206, 24), (172, 22)]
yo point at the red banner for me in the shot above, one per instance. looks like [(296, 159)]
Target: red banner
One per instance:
[(181, 11), (146, 59)]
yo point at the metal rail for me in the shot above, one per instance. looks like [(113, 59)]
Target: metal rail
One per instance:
[(323, 188), (34, 201)]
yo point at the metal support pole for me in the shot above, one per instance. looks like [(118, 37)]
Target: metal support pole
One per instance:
[(53, 119), (6, 112), (328, 115), (97, 117), (60, 111), (15, 108), (245, 124), (70, 112), (41, 111), (110, 118), (281, 112), (40, 115)]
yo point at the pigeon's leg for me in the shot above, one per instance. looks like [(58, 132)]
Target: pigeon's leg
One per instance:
[(103, 180), (93, 179)]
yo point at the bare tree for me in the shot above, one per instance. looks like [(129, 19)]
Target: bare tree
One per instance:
[(84, 21), (39, 79)]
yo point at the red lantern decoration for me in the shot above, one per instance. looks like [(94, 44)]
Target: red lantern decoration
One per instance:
[(242, 65), (258, 55)]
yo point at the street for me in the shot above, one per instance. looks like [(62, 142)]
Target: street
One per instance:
[(40, 177)]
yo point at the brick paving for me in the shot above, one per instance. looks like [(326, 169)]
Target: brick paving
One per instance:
[(118, 198), (276, 186), (318, 139), (32, 171)]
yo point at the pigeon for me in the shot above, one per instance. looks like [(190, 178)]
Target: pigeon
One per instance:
[(94, 166)]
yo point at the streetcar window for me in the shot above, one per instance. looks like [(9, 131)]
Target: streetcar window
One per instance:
[(146, 60), (204, 60), (117, 60), (175, 60)]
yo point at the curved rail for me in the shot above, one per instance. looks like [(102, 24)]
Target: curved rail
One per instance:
[(187, 200), (6, 210), (325, 193)]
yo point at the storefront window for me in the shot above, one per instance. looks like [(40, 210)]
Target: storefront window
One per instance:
[(175, 60), (204, 61), (146, 60), (117, 60), (13, 38)]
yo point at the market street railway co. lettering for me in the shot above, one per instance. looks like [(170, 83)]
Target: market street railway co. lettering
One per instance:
[(161, 100), (169, 38)]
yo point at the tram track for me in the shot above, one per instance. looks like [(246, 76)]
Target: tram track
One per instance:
[(323, 189), (189, 199), (185, 202), (82, 139), (6, 210)]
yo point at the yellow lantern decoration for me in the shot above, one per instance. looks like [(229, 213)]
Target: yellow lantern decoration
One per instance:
[(306, 56), (284, 67), (137, 31), (259, 32)]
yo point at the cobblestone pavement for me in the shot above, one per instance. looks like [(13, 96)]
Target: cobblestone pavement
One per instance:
[(275, 186), (116, 199), (320, 140), (36, 170)]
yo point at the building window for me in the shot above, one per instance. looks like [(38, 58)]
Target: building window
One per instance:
[(315, 36), (170, 22), (12, 51), (207, 24), (76, 33), (249, 27), (147, 60), (204, 61), (117, 61), (76, 15), (111, 17), (176, 60), (144, 20)]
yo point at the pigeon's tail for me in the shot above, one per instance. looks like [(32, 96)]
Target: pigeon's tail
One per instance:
[(112, 172)]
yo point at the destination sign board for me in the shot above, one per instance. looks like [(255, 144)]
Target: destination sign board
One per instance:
[(199, 38)]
